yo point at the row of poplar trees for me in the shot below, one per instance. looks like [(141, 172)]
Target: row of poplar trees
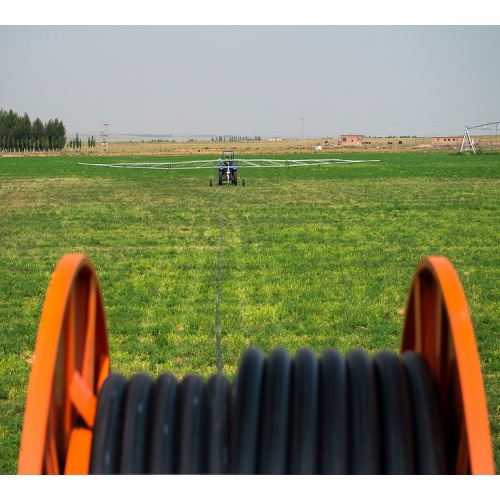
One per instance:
[(19, 133)]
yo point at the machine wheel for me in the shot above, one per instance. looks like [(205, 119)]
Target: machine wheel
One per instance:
[(211, 182)]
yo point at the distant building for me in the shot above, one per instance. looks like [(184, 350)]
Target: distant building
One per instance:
[(275, 139), (350, 140), (446, 141)]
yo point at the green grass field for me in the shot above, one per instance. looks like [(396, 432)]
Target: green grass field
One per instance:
[(311, 257)]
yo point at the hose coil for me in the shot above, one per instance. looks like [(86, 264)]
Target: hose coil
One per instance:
[(310, 414)]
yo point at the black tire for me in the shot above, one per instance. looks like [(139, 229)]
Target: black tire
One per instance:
[(107, 434), (273, 435), (163, 425), (243, 182), (136, 425)]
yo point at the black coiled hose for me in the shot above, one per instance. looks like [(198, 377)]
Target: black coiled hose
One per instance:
[(309, 414)]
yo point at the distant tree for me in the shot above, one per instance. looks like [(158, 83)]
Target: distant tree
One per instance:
[(50, 134), (61, 129), (37, 133), (8, 128), (55, 132), (18, 132), (24, 131)]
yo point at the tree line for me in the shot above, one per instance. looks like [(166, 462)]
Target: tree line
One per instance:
[(235, 138), (19, 133), (76, 143)]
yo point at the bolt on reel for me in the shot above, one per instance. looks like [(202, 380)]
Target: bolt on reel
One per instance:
[(423, 411)]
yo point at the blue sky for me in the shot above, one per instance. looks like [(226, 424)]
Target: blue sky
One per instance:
[(252, 79)]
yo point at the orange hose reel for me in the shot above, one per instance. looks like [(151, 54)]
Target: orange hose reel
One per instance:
[(438, 326), (72, 361)]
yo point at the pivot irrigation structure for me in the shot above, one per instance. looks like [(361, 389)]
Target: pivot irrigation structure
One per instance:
[(468, 142), (420, 412)]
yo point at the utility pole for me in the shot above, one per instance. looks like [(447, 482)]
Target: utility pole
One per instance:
[(105, 137), (302, 129)]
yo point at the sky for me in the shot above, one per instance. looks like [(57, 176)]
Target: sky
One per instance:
[(222, 76)]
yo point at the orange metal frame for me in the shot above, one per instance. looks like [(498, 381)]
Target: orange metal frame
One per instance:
[(438, 326), (72, 361)]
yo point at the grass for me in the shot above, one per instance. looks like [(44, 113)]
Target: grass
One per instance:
[(313, 257)]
